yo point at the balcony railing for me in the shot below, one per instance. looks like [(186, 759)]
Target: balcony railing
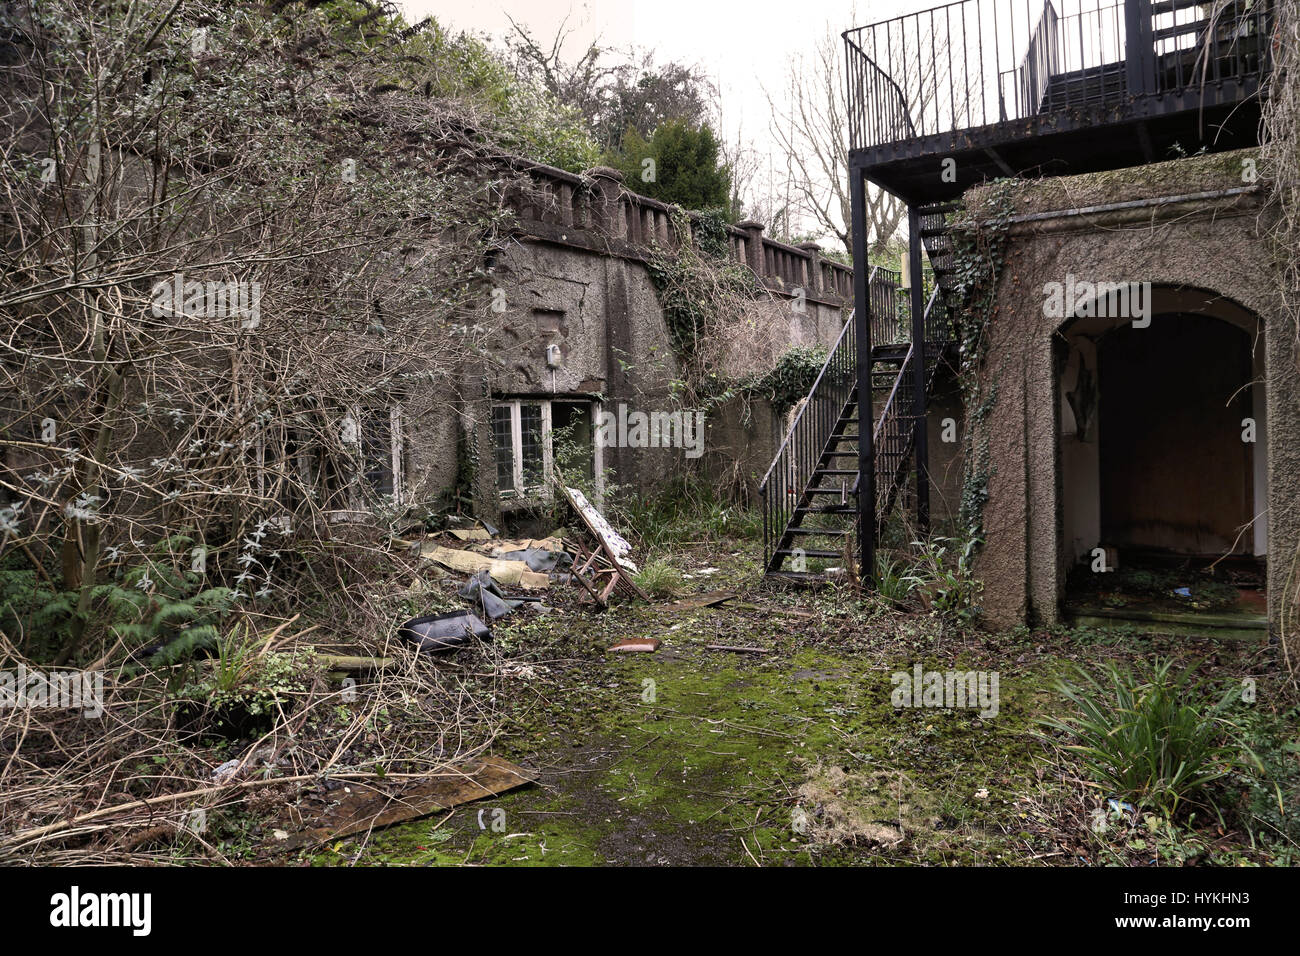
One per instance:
[(978, 63)]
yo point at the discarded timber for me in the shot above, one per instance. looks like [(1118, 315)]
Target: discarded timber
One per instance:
[(364, 810)]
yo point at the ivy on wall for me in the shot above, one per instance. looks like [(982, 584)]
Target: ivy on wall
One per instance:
[(979, 238), (701, 290), (792, 378)]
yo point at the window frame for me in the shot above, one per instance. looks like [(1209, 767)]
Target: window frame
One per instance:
[(352, 494), (520, 492)]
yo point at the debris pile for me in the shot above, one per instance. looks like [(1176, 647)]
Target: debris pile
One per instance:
[(499, 571)]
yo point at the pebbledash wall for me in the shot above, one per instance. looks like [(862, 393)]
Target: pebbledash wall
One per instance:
[(1195, 229), (573, 282)]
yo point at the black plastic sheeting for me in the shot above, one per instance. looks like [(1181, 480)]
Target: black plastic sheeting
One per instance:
[(484, 591), (448, 631)]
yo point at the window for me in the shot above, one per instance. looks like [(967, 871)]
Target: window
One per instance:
[(281, 468), (529, 435), (345, 466), (380, 453)]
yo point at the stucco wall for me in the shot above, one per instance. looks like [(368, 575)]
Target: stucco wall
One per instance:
[(944, 449), (576, 276), (1205, 243)]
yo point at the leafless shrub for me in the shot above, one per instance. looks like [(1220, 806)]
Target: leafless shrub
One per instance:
[(1280, 166), (232, 242)]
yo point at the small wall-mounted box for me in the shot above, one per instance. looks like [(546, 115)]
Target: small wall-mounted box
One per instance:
[(553, 357)]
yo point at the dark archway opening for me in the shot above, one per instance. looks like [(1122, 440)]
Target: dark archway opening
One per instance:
[(1175, 474), (1159, 478)]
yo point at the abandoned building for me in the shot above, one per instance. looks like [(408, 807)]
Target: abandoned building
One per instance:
[(1125, 393), (1084, 361), (1082, 178), (583, 343)]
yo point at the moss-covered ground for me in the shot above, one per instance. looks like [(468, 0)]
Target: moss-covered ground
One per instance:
[(797, 755)]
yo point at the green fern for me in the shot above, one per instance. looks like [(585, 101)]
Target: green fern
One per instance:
[(148, 604)]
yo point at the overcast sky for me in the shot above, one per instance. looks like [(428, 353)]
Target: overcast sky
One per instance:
[(742, 45)]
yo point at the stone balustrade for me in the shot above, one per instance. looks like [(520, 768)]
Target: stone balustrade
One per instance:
[(597, 212)]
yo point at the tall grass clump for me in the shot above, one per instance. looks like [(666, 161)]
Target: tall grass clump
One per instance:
[(1151, 736)]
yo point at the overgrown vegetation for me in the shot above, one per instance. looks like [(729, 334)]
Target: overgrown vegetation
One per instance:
[(223, 268), (791, 381), (1152, 735), (168, 377), (687, 511), (245, 686), (679, 163), (162, 527), (702, 292), (1279, 149), (660, 579), (942, 578), (979, 237)]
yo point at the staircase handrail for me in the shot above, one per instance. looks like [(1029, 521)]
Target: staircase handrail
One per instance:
[(813, 391)]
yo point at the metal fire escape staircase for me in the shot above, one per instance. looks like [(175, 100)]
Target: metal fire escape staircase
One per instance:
[(981, 89), (810, 493)]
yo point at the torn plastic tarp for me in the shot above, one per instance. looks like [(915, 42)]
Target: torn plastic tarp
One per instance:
[(444, 632), (483, 590), (540, 559)]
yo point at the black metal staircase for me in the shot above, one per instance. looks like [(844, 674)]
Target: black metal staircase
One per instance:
[(810, 493), (939, 101)]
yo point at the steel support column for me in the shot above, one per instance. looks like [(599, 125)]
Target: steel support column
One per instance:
[(862, 316), (1139, 47), (920, 432)]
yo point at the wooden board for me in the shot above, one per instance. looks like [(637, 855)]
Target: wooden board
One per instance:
[(368, 808), (611, 545), (707, 599)]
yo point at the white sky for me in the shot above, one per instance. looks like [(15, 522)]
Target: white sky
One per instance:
[(741, 45)]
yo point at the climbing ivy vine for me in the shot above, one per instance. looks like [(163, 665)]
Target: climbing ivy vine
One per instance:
[(792, 378), (701, 289), (979, 242)]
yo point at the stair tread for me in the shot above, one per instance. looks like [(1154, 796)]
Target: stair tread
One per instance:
[(826, 490)]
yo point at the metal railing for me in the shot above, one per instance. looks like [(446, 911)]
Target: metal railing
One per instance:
[(976, 63), (791, 471), (1190, 46), (886, 326), (894, 434), (891, 438), (785, 486)]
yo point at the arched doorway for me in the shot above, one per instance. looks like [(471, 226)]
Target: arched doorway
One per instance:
[(1161, 455)]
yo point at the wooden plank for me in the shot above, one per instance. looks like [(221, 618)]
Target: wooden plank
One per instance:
[(365, 809), (705, 599), (622, 573)]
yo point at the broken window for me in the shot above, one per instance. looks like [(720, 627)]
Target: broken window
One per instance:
[(532, 437)]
